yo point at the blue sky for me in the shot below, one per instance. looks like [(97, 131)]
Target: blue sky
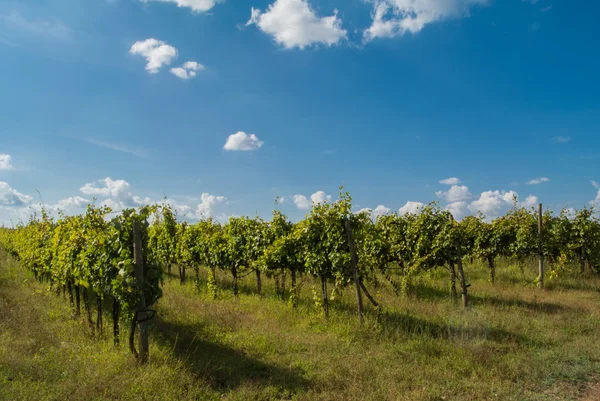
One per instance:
[(223, 105)]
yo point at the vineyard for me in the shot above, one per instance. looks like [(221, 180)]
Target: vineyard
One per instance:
[(327, 267)]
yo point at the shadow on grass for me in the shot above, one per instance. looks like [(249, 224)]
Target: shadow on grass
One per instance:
[(576, 284), (223, 367), (420, 327), (427, 292)]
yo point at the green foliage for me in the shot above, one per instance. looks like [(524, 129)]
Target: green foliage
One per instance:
[(89, 251)]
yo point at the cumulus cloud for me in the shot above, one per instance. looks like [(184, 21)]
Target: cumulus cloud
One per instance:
[(5, 162), (301, 202), (242, 141), (293, 23), (380, 210), (187, 70), (411, 208), (397, 17), (450, 181), (72, 202), (118, 193), (156, 52), (530, 201), (492, 203), (320, 197), (199, 6), (537, 181), (304, 203), (458, 209), (456, 193), (108, 187), (207, 206), (596, 202), (11, 197)]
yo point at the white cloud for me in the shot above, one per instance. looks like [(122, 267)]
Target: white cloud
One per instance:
[(456, 193), (242, 141), (302, 202), (72, 202), (118, 189), (5, 162), (562, 139), (51, 28), (530, 201), (411, 208), (199, 6), (398, 17), (11, 197), (320, 197), (596, 202), (381, 210), (365, 210), (492, 203), (118, 193), (156, 52), (458, 209), (116, 147), (537, 181), (450, 181), (206, 208), (188, 70), (293, 23)]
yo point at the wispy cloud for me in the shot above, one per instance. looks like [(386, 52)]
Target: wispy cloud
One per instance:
[(561, 139), (143, 153), (595, 184), (537, 181), (329, 151), (7, 42), (51, 28)]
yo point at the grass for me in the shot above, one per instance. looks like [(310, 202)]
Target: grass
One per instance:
[(515, 342)]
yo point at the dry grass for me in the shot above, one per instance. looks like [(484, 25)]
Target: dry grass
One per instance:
[(515, 343)]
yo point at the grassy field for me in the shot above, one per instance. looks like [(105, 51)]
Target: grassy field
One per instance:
[(515, 343)]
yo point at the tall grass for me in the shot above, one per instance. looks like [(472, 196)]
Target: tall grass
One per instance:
[(515, 342)]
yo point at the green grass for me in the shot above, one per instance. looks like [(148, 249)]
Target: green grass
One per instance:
[(516, 342)]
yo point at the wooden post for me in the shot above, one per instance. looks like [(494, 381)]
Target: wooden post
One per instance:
[(138, 258), (453, 294), (325, 296), (115, 315), (258, 282), (461, 272), (492, 267), (354, 262), (540, 247), (294, 294), (235, 281), (462, 278), (78, 301)]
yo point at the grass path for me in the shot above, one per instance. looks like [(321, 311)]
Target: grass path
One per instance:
[(515, 343)]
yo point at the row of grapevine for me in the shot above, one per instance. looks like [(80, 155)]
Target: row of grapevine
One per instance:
[(319, 246), (338, 248), (91, 256)]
